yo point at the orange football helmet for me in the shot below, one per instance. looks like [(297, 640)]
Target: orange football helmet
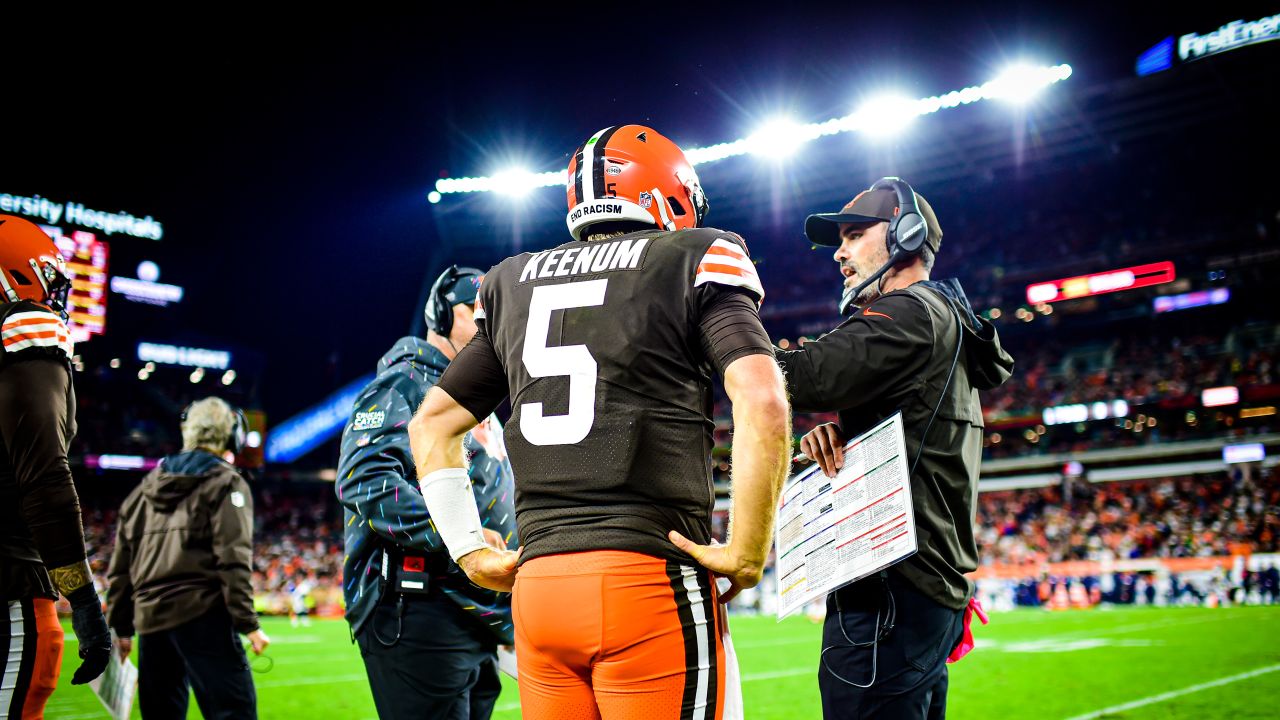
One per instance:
[(631, 173), (31, 268)]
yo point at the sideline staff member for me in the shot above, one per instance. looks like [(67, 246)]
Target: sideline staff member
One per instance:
[(428, 637), (911, 345), (180, 573)]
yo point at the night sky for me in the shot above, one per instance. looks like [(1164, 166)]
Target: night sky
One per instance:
[(290, 161)]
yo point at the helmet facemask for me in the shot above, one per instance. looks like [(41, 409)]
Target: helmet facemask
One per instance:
[(52, 274)]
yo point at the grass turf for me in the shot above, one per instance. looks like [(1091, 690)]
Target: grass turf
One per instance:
[(1029, 664)]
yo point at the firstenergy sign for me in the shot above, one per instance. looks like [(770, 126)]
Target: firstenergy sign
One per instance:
[(1193, 46)]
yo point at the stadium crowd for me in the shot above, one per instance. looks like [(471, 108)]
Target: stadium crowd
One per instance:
[(1189, 516)]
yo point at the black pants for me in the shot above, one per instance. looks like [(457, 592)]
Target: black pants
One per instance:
[(427, 658), (906, 670), (204, 654)]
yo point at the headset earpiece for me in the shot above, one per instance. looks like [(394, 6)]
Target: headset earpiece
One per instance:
[(907, 230), (239, 428), (439, 314)]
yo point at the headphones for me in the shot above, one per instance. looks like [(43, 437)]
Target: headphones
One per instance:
[(239, 428), (439, 312), (907, 230)]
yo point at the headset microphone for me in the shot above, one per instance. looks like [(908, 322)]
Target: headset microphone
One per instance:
[(847, 299)]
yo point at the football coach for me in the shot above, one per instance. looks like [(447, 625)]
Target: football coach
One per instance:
[(911, 345)]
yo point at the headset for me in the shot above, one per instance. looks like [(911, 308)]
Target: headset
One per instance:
[(239, 428), (905, 238), (438, 312)]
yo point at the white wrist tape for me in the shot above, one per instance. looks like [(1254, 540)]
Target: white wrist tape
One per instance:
[(453, 510)]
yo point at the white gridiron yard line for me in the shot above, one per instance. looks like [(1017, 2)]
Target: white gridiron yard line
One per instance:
[(1153, 699)]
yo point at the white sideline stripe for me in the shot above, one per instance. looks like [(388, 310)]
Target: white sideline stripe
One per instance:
[(1153, 699)]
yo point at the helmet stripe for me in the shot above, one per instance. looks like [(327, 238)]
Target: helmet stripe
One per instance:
[(589, 193), (597, 161), (577, 175)]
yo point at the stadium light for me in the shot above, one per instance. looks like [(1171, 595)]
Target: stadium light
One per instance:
[(433, 197), (1018, 84), (779, 138), (887, 115), (515, 183), (1021, 83)]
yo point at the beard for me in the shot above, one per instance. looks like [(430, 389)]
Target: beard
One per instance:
[(862, 271)]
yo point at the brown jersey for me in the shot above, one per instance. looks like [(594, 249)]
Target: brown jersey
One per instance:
[(39, 511), (602, 348)]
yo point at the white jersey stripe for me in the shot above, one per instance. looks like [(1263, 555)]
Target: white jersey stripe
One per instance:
[(33, 315), (9, 682), (726, 245), (703, 634), (737, 262), (53, 342), (33, 330), (750, 283)]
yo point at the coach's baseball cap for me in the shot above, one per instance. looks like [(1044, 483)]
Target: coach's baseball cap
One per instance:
[(869, 206), (464, 288)]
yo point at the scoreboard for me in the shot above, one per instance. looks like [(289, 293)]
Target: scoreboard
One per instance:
[(86, 258)]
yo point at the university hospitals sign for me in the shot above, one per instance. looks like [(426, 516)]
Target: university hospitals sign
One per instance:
[(44, 211)]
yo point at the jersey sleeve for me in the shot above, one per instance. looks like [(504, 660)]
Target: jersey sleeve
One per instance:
[(727, 263), (729, 321), (475, 379), (32, 329)]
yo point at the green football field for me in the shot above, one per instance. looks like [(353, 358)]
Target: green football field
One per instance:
[(1132, 663)]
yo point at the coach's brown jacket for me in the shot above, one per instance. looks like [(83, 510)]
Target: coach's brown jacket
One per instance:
[(184, 545), (923, 352)]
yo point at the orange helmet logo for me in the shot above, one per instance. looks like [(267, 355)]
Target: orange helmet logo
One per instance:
[(632, 173)]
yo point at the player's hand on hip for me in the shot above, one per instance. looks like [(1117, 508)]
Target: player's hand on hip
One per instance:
[(490, 568), (825, 444), (494, 539), (723, 560)]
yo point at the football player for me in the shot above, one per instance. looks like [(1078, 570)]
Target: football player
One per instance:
[(42, 550), (607, 346)]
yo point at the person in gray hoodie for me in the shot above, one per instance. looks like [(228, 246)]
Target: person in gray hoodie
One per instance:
[(180, 574)]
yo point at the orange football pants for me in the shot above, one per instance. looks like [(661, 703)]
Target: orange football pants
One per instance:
[(30, 659), (620, 636)]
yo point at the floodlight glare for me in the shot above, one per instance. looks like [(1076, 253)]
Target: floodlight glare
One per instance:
[(514, 183), (887, 115), (778, 139), (781, 138), (1021, 83)]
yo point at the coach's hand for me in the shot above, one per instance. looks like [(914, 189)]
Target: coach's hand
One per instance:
[(258, 641), (490, 568), (825, 444), (90, 626), (723, 560)]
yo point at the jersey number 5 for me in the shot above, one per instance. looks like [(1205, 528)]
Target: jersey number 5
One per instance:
[(575, 361)]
